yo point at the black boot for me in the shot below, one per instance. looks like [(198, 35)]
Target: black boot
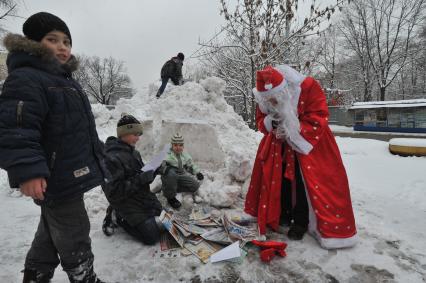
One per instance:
[(33, 276), (297, 232), (174, 203), (109, 225)]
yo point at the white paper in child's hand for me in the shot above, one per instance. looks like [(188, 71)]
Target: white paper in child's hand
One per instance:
[(156, 160)]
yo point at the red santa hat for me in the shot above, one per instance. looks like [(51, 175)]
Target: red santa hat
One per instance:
[(269, 80)]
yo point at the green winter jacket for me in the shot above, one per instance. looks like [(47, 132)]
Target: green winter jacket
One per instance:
[(172, 160)]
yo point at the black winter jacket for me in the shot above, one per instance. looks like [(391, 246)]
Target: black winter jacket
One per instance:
[(172, 69), (128, 187), (47, 128)]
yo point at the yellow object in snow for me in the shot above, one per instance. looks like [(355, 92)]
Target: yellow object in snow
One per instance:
[(407, 149)]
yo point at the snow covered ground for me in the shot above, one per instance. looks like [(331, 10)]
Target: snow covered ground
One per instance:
[(388, 194)]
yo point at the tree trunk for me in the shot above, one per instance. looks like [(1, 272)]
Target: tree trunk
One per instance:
[(253, 103), (246, 116), (382, 93)]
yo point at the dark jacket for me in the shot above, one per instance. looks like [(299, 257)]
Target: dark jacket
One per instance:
[(47, 128), (172, 69), (128, 188)]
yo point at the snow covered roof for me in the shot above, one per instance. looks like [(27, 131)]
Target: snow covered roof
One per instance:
[(389, 104)]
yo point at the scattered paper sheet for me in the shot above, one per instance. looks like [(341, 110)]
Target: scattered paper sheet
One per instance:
[(199, 214), (217, 235), (167, 242), (230, 252), (202, 250), (166, 219), (157, 159)]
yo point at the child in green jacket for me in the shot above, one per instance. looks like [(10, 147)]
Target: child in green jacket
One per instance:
[(178, 172)]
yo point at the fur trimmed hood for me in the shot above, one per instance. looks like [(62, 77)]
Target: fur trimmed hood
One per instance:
[(16, 43)]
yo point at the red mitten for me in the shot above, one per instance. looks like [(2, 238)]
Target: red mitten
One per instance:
[(270, 244), (267, 255), (281, 253)]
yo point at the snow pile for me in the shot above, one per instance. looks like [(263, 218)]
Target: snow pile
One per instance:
[(389, 204), (213, 133)]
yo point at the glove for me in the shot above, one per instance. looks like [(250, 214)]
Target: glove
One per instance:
[(146, 177), (269, 244), (200, 176), (275, 116), (268, 254), (160, 170), (269, 249), (275, 124)]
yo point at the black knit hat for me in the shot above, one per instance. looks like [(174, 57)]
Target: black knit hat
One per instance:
[(128, 125), (40, 24), (181, 56)]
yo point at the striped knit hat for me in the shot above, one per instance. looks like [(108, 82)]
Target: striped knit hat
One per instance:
[(177, 138), (128, 125)]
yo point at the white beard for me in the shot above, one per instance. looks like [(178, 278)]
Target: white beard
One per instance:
[(287, 95), (283, 112)]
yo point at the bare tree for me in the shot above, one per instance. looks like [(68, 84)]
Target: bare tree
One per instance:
[(7, 7), (258, 33), (409, 79), (421, 62), (328, 55), (412, 80), (357, 44), (105, 79), (390, 23)]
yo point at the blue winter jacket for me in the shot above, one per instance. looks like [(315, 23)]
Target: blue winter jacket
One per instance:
[(47, 128)]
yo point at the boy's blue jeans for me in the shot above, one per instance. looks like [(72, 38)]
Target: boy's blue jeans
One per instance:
[(164, 82)]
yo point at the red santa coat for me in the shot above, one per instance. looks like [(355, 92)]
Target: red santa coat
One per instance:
[(331, 218)]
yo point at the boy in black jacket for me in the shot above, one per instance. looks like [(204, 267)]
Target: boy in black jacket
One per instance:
[(172, 70), (49, 146), (136, 207)]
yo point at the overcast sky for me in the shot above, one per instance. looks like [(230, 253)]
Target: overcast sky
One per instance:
[(142, 33)]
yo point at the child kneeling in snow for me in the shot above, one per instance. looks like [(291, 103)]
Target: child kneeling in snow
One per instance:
[(136, 208), (177, 172)]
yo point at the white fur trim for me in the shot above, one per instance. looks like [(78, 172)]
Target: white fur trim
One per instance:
[(267, 121), (268, 86), (271, 91), (326, 243), (336, 243)]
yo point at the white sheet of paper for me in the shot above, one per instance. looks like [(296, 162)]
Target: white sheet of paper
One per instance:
[(231, 251), (157, 159)]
